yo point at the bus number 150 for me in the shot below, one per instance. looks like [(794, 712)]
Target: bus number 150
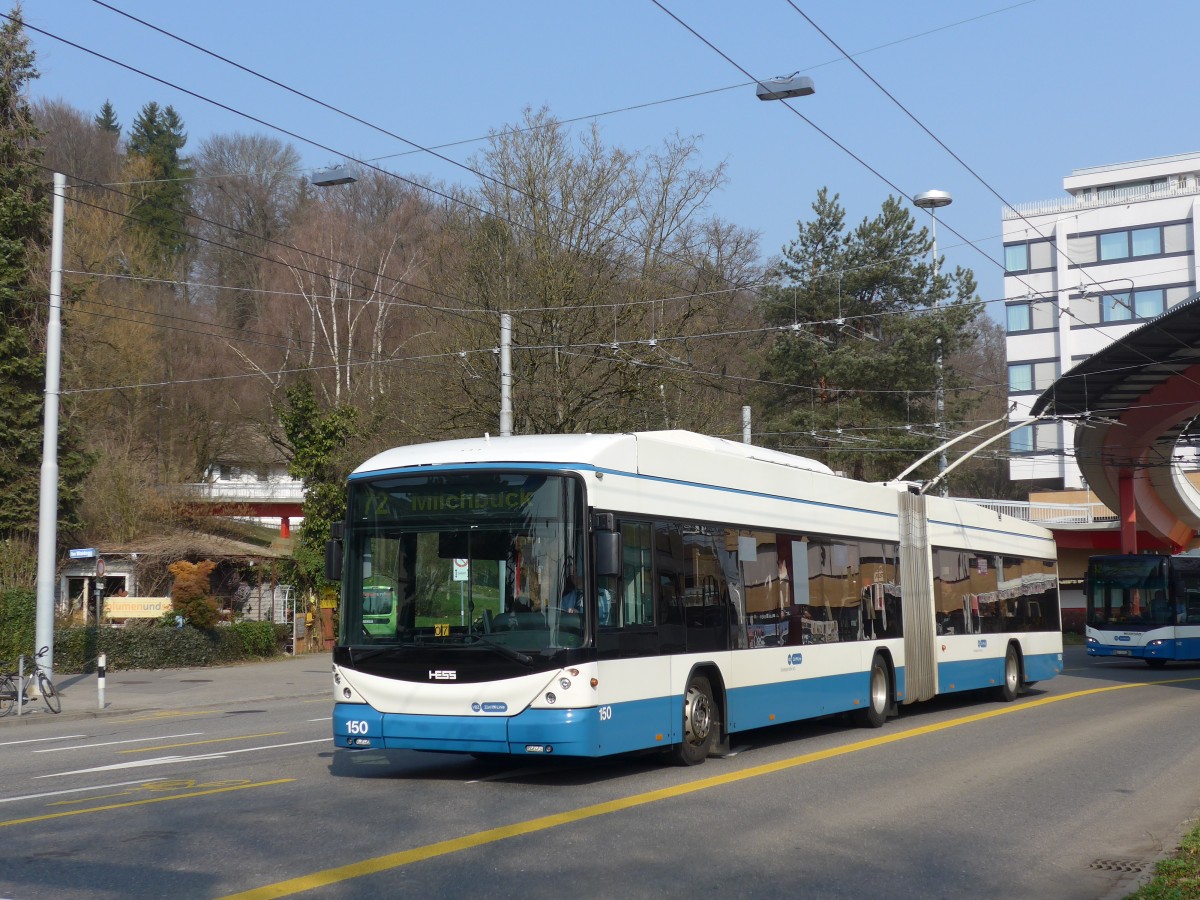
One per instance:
[(605, 713)]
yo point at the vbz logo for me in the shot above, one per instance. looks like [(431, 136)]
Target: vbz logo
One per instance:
[(982, 643)]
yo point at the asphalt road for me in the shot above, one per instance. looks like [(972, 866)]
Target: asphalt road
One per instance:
[(1070, 792)]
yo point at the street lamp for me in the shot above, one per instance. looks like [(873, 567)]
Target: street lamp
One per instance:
[(331, 177), (933, 201), (785, 87)]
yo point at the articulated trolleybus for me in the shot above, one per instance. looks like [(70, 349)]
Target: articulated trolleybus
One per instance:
[(1144, 607), (585, 595)]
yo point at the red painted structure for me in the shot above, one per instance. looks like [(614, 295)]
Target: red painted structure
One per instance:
[(1133, 402)]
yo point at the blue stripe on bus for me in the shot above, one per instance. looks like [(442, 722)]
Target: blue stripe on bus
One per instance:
[(643, 724), (973, 674), (588, 467)]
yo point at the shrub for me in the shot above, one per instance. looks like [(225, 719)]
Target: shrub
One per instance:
[(191, 593), (258, 638), (18, 617)]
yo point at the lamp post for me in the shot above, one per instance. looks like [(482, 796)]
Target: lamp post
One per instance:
[(933, 201), (48, 486)]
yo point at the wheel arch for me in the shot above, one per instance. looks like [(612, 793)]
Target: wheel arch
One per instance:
[(716, 680), (886, 655)]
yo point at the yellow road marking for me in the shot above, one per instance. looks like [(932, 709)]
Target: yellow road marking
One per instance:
[(170, 714), (240, 737), (112, 806), (492, 835)]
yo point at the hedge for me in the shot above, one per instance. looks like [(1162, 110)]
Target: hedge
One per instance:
[(137, 646)]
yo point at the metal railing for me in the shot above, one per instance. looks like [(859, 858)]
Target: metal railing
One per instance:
[(1095, 200), (248, 492), (1047, 513)]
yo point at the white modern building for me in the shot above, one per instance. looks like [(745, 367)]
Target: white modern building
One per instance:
[(1082, 271)]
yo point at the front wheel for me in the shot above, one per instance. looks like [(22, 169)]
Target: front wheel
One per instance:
[(878, 701), (49, 694), (8, 696), (701, 723), (1156, 663), (1011, 686)]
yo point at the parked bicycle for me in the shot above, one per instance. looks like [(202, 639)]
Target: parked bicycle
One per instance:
[(13, 687)]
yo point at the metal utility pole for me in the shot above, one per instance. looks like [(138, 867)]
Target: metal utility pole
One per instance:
[(506, 410), (48, 497), (933, 201)]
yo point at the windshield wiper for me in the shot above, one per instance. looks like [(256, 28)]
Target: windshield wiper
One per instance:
[(505, 650)]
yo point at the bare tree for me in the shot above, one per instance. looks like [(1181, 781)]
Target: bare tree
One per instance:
[(608, 264), (246, 191)]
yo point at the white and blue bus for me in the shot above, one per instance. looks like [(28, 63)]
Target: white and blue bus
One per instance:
[(586, 595), (1144, 607)]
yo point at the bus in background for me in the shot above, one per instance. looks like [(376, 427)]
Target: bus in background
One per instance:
[(1144, 607), (587, 595)]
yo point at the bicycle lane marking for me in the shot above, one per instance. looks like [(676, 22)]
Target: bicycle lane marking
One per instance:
[(45, 817), (519, 829)]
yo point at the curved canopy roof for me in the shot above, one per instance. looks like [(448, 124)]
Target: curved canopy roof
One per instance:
[(1135, 400)]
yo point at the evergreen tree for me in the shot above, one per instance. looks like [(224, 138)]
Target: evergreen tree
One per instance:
[(860, 315), (317, 438), (24, 215), (158, 137), (106, 119)]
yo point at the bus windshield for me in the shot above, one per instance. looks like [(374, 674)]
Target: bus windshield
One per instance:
[(1129, 593), (462, 559)]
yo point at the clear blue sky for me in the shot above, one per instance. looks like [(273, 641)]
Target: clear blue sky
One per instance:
[(1023, 93)]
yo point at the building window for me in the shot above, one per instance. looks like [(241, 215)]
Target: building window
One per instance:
[(1018, 318), (1146, 241), (1114, 245), (1148, 304), (1136, 243), (1016, 257), (1115, 307), (1029, 256), (1030, 315), (1020, 377), (1031, 376), (1042, 438)]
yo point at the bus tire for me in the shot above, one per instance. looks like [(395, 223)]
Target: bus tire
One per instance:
[(1156, 663), (878, 696), (701, 723), (1011, 685)]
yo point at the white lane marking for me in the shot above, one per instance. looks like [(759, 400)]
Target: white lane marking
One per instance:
[(94, 787), (326, 719), (167, 760), (162, 737), (509, 773), (65, 737)]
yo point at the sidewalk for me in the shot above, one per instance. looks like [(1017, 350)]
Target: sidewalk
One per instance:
[(306, 676)]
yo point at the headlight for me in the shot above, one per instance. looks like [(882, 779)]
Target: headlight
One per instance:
[(550, 698), (565, 683)]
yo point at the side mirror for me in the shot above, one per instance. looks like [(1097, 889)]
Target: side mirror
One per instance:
[(333, 560), (608, 553)]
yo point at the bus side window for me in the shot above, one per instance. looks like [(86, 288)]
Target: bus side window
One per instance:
[(637, 600)]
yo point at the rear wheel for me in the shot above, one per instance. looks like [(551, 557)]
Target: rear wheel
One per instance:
[(1011, 686), (49, 694), (878, 701), (701, 723)]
